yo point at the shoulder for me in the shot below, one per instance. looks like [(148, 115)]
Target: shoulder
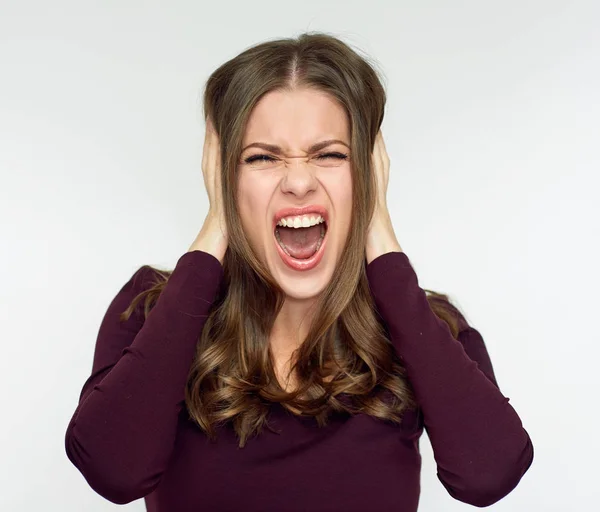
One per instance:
[(123, 318), (475, 347), (144, 278), (470, 337), (131, 296), (442, 303)]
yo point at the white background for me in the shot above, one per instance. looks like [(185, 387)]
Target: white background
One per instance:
[(493, 134)]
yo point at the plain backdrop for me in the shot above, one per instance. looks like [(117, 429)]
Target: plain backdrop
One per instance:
[(493, 135)]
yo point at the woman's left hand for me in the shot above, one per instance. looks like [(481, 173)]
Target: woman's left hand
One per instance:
[(381, 238)]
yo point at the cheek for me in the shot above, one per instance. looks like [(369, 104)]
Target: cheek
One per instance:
[(340, 192), (253, 197), (339, 189)]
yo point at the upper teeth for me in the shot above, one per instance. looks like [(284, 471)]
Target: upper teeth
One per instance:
[(303, 221)]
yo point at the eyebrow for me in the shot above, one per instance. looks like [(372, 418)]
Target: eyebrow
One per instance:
[(277, 149)]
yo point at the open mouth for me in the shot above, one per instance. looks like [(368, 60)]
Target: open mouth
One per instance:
[(301, 243)]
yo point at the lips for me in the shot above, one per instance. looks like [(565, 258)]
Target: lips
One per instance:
[(315, 259), (291, 212)]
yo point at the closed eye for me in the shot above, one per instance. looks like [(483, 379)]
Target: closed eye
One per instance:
[(267, 158)]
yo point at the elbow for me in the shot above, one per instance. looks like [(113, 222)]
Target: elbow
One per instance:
[(486, 486), (117, 492), (117, 482)]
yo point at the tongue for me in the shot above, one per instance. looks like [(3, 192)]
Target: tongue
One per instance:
[(301, 243)]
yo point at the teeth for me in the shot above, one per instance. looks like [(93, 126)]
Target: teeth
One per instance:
[(304, 221)]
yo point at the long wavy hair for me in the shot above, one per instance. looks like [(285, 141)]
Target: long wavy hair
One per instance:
[(347, 350)]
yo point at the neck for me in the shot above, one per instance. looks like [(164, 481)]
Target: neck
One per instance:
[(288, 333)]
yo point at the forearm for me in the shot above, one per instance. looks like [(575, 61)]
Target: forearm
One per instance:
[(478, 440), (122, 433)]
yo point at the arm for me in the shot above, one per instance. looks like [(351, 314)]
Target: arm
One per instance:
[(475, 348), (471, 341), (480, 446), (123, 430)]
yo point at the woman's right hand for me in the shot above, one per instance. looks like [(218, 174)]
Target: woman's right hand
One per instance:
[(213, 237)]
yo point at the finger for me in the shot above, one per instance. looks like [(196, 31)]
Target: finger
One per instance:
[(386, 162), (205, 147), (217, 165), (377, 154), (382, 168), (207, 161), (211, 158), (375, 160), (384, 154)]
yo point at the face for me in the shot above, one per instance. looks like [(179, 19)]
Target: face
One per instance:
[(296, 176)]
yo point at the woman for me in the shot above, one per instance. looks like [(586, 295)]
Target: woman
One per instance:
[(295, 309)]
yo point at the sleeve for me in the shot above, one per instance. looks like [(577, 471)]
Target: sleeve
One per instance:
[(475, 348), (122, 432), (479, 444), (471, 340)]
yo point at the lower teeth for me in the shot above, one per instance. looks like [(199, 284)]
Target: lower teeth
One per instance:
[(286, 251)]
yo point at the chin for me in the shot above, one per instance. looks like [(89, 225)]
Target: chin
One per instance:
[(303, 288), (301, 285)]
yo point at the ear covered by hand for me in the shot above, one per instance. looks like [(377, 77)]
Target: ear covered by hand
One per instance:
[(381, 237)]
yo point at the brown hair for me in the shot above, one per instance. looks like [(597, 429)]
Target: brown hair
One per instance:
[(232, 376)]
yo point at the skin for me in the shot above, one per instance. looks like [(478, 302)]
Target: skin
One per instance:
[(294, 120)]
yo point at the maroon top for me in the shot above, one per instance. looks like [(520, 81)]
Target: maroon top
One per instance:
[(130, 436)]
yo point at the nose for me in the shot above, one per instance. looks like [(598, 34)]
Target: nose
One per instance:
[(299, 178)]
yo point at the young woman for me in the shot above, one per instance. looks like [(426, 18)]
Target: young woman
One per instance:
[(295, 309)]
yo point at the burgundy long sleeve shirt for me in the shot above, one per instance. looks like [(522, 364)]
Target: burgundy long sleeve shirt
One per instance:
[(131, 438)]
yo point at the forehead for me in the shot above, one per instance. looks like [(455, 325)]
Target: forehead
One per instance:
[(296, 119)]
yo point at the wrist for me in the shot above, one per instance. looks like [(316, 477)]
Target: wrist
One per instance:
[(381, 240), (210, 240), (373, 252)]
